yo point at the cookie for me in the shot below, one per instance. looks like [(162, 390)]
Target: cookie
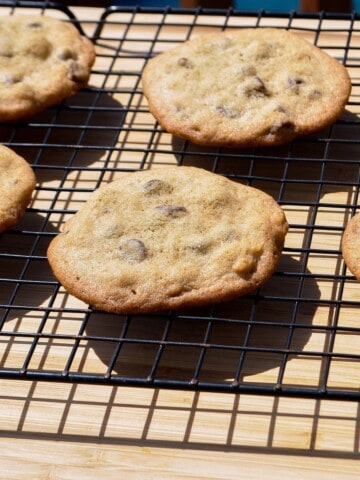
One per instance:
[(248, 87), (168, 238), (350, 245), (17, 183), (42, 61)]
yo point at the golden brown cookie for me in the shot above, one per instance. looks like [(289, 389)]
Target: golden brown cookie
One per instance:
[(351, 245), (17, 183), (42, 61), (245, 87), (168, 238)]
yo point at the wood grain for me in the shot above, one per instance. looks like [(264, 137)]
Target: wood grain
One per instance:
[(64, 431)]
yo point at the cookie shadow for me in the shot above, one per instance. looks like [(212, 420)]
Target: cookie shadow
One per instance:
[(76, 134), (26, 281), (219, 343), (308, 169)]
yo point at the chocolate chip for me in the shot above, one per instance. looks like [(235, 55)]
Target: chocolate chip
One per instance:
[(228, 111), (76, 72), (315, 95), (156, 186), (293, 83), (280, 108), (6, 54), (259, 84), (247, 70), (174, 211), (66, 54), (132, 250), (255, 87), (200, 247), (112, 231), (34, 25), (11, 79), (184, 62), (40, 49)]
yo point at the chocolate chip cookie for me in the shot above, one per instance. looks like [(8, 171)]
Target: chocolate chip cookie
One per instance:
[(168, 238), (17, 183), (246, 87), (351, 245), (42, 61)]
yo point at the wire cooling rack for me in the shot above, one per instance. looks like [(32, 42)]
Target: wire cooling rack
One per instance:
[(299, 335)]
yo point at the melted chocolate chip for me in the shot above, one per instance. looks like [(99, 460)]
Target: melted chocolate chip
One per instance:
[(228, 111), (132, 250), (156, 186), (66, 54), (256, 87), (184, 62), (6, 54), (34, 25), (280, 108), (11, 79), (315, 95), (174, 211), (76, 72), (258, 83), (40, 49), (247, 70), (293, 83), (201, 247)]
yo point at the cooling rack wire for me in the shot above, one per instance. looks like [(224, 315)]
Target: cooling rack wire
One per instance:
[(296, 336)]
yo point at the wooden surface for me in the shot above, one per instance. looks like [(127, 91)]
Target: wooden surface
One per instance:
[(64, 431), (82, 432)]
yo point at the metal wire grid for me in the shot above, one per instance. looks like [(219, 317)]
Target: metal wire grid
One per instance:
[(298, 335)]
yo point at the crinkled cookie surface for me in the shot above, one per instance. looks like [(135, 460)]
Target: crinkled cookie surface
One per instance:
[(17, 183), (245, 87), (168, 238), (42, 61), (351, 245)]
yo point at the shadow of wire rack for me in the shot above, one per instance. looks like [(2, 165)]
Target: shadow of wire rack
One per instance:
[(299, 335)]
